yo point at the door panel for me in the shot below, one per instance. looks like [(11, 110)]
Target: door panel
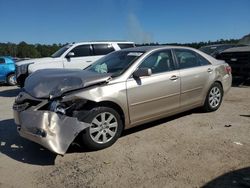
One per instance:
[(80, 62), (2, 69), (194, 74), (193, 83), (82, 58), (152, 96)]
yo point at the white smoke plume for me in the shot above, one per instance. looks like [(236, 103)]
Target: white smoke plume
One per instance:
[(135, 31)]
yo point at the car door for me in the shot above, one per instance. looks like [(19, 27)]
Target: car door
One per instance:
[(2, 69), (79, 57), (195, 72), (153, 96)]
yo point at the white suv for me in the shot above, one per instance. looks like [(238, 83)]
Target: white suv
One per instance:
[(71, 56)]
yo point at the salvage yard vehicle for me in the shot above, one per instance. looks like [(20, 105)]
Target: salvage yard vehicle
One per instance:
[(71, 56), (7, 71), (121, 90), (239, 59), (216, 49)]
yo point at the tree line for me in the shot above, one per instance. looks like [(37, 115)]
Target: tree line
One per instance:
[(196, 45), (25, 50)]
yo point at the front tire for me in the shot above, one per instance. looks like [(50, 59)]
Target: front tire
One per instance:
[(106, 127), (214, 98), (11, 80)]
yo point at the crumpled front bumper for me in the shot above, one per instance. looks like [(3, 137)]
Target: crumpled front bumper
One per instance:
[(49, 129)]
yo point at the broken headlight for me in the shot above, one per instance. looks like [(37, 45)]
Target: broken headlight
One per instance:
[(57, 107), (66, 107)]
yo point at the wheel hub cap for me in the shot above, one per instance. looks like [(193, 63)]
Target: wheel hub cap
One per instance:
[(103, 128), (214, 97)]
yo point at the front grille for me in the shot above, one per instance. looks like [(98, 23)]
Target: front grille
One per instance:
[(24, 101), (20, 107)]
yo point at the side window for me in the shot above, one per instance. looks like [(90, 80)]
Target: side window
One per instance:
[(102, 49), (124, 45), (2, 60), (81, 51), (186, 58), (159, 62), (202, 60)]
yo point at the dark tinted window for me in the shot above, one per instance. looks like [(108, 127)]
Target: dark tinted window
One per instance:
[(102, 49), (82, 50), (159, 62), (2, 60), (186, 58), (123, 46)]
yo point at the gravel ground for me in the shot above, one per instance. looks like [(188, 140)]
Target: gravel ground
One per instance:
[(192, 149)]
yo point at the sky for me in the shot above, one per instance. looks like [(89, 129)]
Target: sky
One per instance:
[(141, 21)]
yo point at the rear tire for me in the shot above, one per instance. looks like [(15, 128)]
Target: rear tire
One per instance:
[(214, 98), (106, 127), (11, 80)]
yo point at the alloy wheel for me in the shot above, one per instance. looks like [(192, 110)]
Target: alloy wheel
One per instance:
[(214, 97), (103, 127)]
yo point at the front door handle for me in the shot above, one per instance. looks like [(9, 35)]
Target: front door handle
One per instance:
[(209, 70), (174, 77), (88, 61)]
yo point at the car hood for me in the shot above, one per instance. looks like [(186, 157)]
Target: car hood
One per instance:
[(36, 60), (51, 83)]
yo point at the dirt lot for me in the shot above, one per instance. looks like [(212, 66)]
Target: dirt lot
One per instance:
[(192, 149)]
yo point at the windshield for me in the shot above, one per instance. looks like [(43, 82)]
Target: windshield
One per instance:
[(115, 63), (59, 52)]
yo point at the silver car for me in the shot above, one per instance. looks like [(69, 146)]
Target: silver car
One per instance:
[(123, 89)]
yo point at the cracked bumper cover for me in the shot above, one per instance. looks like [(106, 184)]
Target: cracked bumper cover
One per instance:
[(49, 129)]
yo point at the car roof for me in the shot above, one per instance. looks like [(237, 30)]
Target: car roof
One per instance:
[(101, 42), (238, 49), (217, 45), (151, 48)]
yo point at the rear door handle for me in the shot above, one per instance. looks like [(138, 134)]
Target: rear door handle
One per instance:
[(209, 70), (174, 77)]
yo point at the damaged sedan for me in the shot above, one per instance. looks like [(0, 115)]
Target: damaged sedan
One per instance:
[(122, 90)]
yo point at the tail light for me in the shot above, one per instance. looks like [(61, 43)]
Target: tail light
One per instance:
[(228, 69)]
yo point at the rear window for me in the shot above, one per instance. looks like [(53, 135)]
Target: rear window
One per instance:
[(123, 46), (2, 60), (102, 49)]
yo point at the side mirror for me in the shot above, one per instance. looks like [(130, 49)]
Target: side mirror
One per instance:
[(142, 72), (70, 54)]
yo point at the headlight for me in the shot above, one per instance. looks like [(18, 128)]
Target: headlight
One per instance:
[(22, 69), (56, 107)]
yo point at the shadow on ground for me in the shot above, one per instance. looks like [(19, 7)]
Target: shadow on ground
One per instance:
[(17, 148), (240, 83), (245, 116), (12, 92), (235, 179), (159, 122), (20, 149)]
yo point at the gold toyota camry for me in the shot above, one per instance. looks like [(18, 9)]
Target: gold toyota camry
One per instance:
[(124, 89)]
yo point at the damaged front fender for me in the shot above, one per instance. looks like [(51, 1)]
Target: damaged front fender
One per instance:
[(53, 131)]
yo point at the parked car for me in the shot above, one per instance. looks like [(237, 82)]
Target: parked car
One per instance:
[(71, 56), (7, 71), (216, 49), (239, 59), (121, 90)]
